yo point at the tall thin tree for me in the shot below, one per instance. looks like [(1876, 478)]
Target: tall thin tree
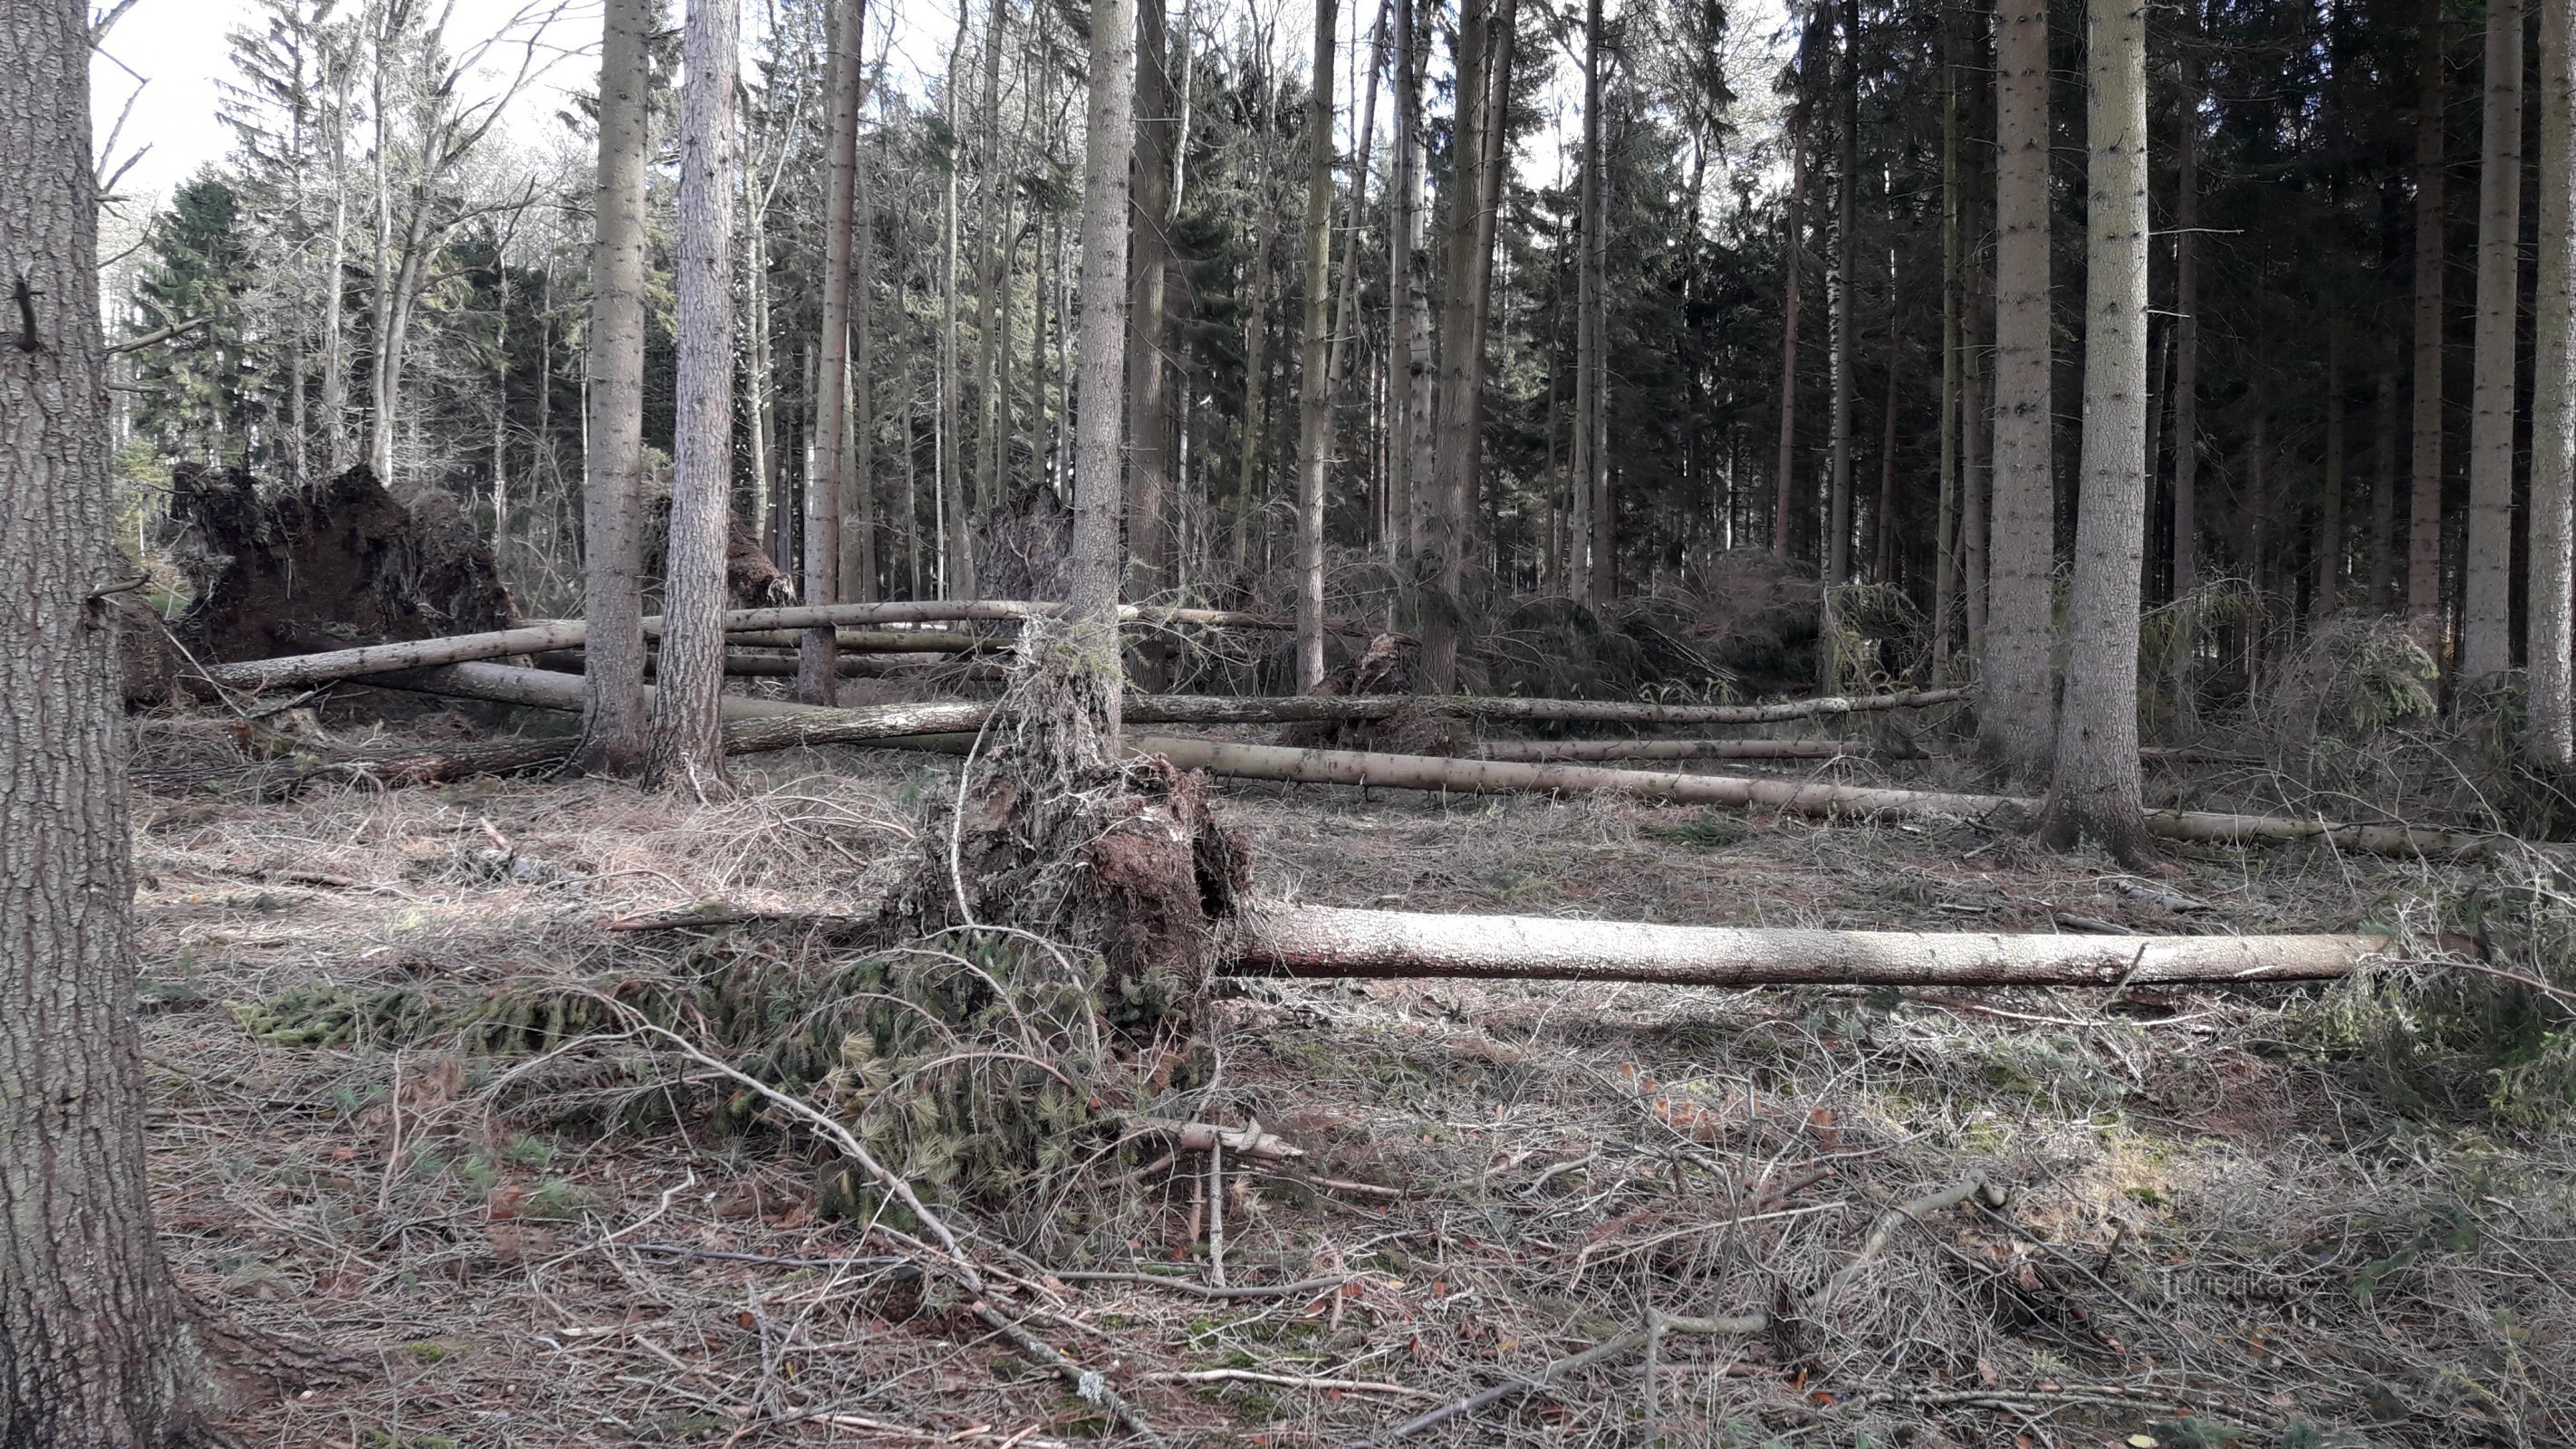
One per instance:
[(818, 659), (91, 1351), (2424, 511), (2486, 624), (1315, 399), (1099, 464), (688, 722), (2552, 738), (2094, 792), (2017, 714), (1839, 287), (612, 497)]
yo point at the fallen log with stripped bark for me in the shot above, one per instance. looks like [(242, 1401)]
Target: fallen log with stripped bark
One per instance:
[(788, 726), (1537, 751)]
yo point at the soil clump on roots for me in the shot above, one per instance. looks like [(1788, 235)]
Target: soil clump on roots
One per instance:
[(1055, 834)]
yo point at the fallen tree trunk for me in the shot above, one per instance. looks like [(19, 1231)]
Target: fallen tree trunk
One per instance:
[(1339, 708), (748, 665), (1295, 940), (1543, 750), (800, 725), (306, 669)]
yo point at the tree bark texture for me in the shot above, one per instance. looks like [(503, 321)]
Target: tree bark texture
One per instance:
[(2186, 384), (1301, 940), (818, 669), (688, 736), (612, 499), (1099, 465), (1151, 436), (2486, 637), (1315, 397), (2017, 717), (1945, 555), (1589, 506), (2552, 738), (1448, 532), (1838, 290), (2424, 513), (1784, 503), (91, 1352), (2094, 789)]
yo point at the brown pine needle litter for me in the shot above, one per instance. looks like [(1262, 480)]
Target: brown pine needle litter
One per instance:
[(2225, 1218)]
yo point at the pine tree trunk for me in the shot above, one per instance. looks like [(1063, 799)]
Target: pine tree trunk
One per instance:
[(688, 723), (1099, 469), (2383, 498), (1838, 292), (335, 290), (2185, 540), (989, 263), (91, 1351), (859, 546), (1595, 542), (1412, 284), (818, 665), (2552, 738), (1151, 438), (613, 724), (2017, 716), (2486, 629), (956, 545), (1784, 474), (1315, 403), (2424, 521), (2329, 541), (1882, 530), (2094, 792), (1945, 559)]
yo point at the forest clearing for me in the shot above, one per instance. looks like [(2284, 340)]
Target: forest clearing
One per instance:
[(1041, 723)]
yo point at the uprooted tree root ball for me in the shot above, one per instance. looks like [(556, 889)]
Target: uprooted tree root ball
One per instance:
[(1053, 834)]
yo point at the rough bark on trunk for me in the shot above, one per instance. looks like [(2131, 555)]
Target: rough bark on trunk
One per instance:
[(688, 737), (2552, 739), (2017, 717), (1784, 504), (859, 547), (2094, 789), (1945, 558), (818, 670), (1589, 507), (2383, 498), (2486, 629), (2329, 541), (612, 503), (91, 1351), (2424, 521), (1315, 401), (2185, 541), (1150, 433), (1447, 534), (1838, 292), (1410, 454)]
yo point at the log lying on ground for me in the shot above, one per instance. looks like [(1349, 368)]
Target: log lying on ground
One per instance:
[(1336, 708), (789, 726), (1543, 750), (751, 665), (307, 669), (1295, 940)]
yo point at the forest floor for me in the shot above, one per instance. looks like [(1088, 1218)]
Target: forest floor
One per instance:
[(2224, 1225)]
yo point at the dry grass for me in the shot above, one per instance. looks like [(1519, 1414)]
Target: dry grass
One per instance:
[(2212, 1232)]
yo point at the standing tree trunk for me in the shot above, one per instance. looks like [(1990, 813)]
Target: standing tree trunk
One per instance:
[(1945, 560), (90, 1346), (818, 656), (612, 502), (2486, 630), (1315, 401), (688, 721), (991, 259), (1784, 474), (1099, 463), (2329, 541), (2094, 790), (2017, 717), (2552, 739), (2383, 498), (1839, 285), (2185, 542), (858, 484), (948, 497), (335, 283), (1595, 543), (1410, 455), (2424, 514), (1151, 437)]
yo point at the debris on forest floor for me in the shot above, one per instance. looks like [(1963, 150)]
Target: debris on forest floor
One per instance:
[(2217, 1227)]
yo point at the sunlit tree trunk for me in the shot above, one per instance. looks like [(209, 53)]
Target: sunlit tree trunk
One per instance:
[(91, 1351), (2017, 714), (1315, 402), (688, 732), (2093, 792), (613, 723), (2552, 739), (2486, 637), (818, 658)]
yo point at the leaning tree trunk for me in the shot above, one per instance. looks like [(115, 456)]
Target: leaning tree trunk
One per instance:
[(2486, 638), (2094, 792), (90, 1345), (688, 725), (1315, 400), (613, 404), (2552, 739), (2017, 717), (2424, 521), (818, 662)]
